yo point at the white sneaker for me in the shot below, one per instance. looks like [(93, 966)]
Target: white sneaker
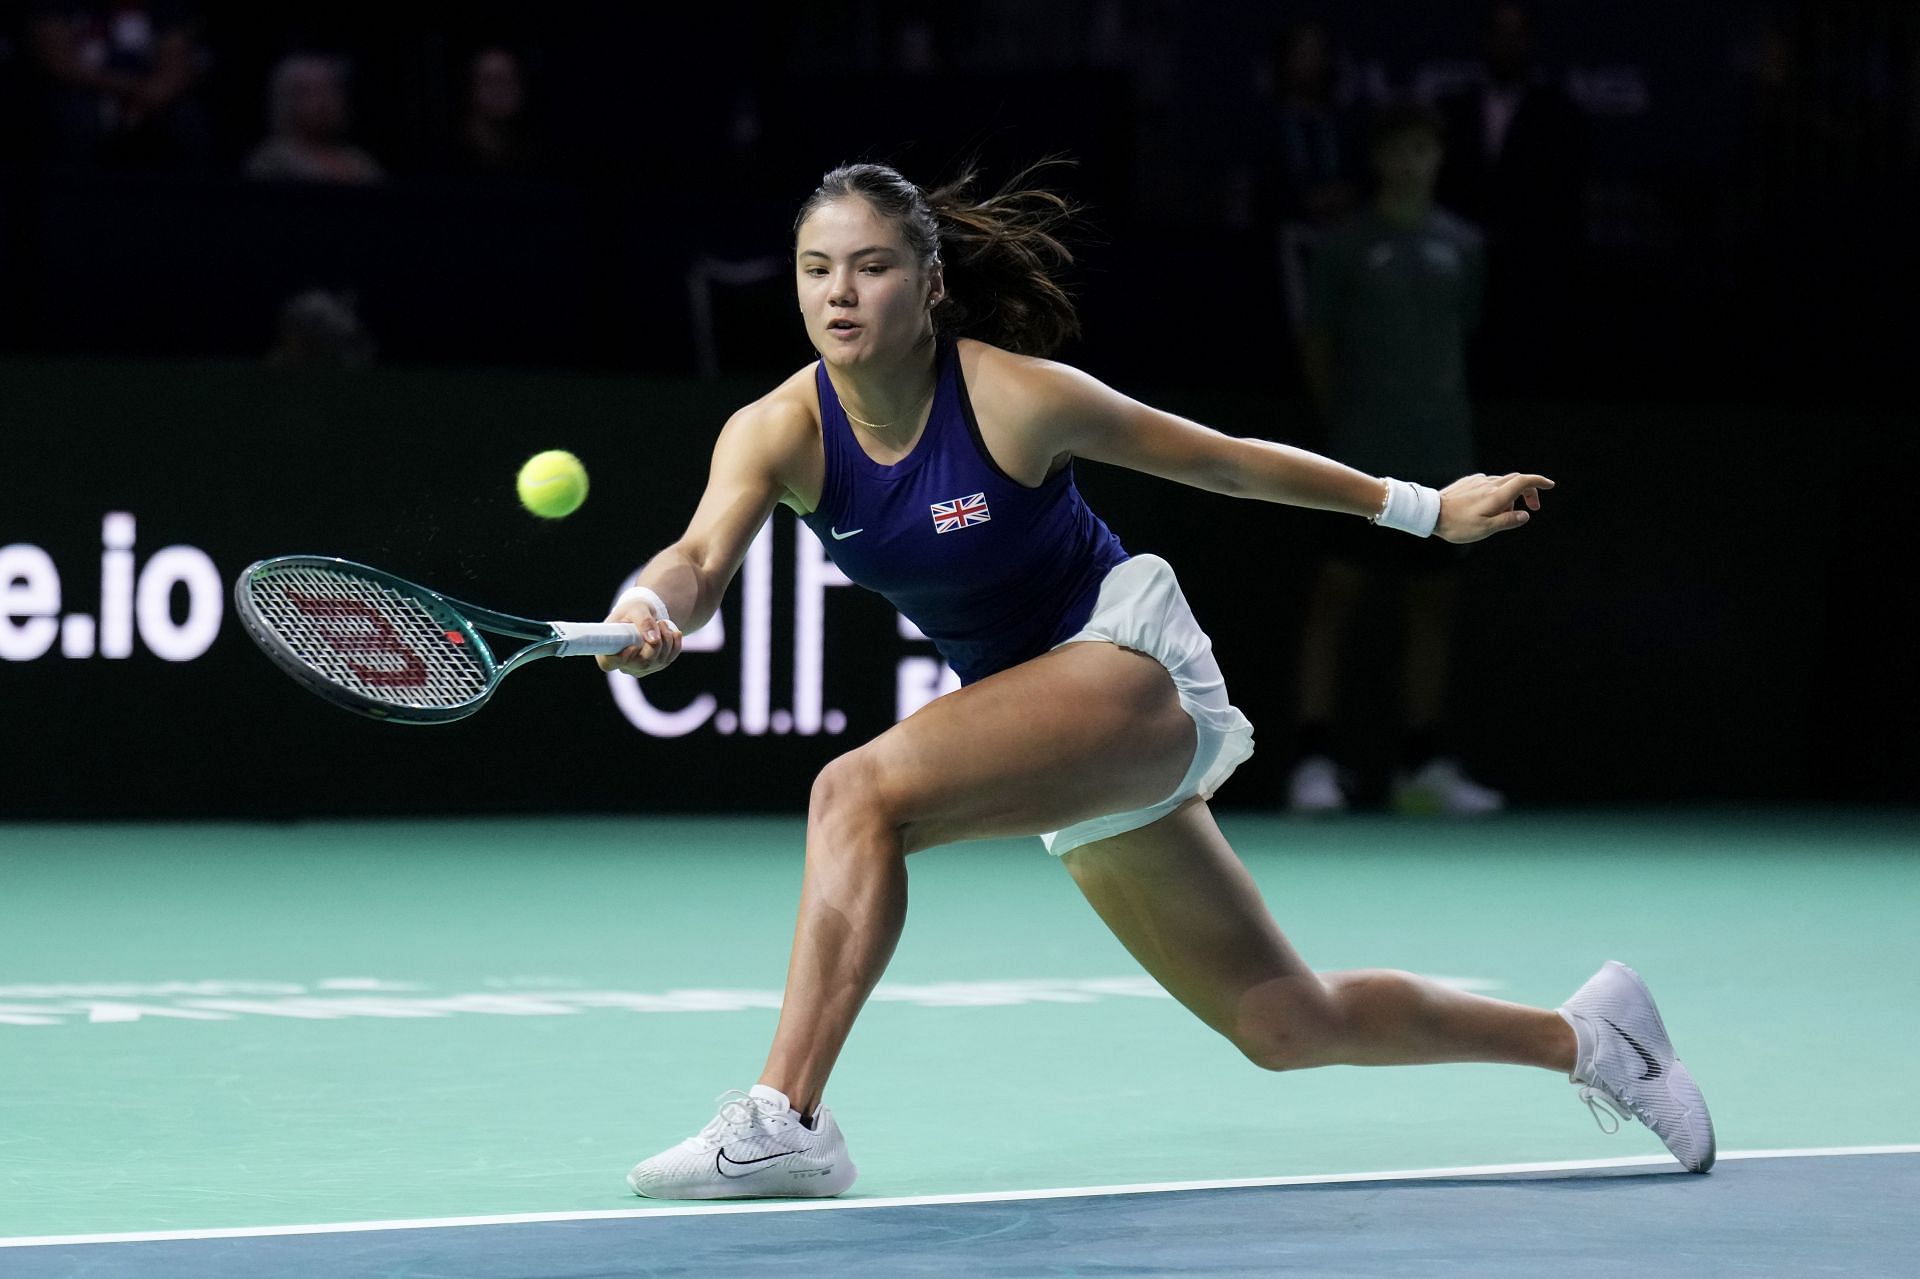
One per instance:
[(755, 1148), (1441, 788), (1625, 1062), (1314, 787)]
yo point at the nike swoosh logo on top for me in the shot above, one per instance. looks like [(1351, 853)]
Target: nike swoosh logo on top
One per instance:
[(838, 536), (720, 1160), (1653, 1067)]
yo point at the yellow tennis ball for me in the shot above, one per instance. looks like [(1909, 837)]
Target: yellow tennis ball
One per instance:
[(552, 484)]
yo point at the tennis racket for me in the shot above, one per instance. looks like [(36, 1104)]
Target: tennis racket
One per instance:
[(386, 647)]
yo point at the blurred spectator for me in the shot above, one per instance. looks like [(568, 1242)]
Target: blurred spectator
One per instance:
[(1394, 293), (320, 329), (1306, 174), (118, 75), (307, 110), (1311, 161), (1516, 165), (494, 135)]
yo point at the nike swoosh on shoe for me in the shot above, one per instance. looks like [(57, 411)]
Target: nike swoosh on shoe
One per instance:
[(721, 1159), (1653, 1067)]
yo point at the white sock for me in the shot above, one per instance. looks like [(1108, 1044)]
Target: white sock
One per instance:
[(1582, 1046), (761, 1092)]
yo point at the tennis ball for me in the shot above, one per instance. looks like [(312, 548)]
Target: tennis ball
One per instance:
[(552, 484)]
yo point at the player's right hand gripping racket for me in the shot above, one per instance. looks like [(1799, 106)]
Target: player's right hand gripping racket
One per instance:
[(386, 647)]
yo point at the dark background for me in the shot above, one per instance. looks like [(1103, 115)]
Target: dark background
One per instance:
[(1714, 607)]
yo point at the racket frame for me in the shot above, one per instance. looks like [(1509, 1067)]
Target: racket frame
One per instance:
[(549, 639)]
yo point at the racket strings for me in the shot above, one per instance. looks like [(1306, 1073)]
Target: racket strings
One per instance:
[(370, 638)]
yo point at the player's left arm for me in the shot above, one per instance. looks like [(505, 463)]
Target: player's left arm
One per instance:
[(1081, 416)]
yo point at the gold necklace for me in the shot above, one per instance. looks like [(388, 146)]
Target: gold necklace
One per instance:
[(879, 426)]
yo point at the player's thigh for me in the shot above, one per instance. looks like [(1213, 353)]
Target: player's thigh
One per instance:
[(1085, 730), (1185, 907)]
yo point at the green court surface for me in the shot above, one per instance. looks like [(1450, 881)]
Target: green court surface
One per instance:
[(216, 1026)]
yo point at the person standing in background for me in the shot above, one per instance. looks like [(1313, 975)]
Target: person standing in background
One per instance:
[(1310, 171), (1393, 294), (1516, 167), (1306, 172), (118, 83), (307, 106), (494, 137)]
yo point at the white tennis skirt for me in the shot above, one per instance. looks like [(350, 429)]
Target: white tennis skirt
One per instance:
[(1141, 608)]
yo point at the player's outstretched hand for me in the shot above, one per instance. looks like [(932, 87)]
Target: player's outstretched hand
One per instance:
[(660, 640), (1478, 506)]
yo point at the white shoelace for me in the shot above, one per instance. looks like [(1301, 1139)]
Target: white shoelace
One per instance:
[(740, 1113), (1599, 1102)]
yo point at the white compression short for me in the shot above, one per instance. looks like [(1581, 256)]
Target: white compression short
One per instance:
[(1141, 607)]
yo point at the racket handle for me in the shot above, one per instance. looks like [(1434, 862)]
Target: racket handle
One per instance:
[(584, 639)]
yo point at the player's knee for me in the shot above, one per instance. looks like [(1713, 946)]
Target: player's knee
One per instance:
[(1288, 1025), (847, 794), (1279, 1050), (840, 785)]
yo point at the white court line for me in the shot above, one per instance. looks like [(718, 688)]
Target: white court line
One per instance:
[(920, 1201)]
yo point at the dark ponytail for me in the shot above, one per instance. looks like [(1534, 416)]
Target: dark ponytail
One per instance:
[(1001, 253)]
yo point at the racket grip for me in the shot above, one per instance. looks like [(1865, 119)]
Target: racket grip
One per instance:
[(585, 639)]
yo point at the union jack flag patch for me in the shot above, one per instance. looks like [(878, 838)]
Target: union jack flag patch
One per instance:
[(959, 513)]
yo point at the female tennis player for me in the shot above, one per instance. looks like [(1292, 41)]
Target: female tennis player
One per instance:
[(931, 449)]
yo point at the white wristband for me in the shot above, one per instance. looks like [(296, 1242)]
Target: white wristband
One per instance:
[(653, 599), (1411, 508)]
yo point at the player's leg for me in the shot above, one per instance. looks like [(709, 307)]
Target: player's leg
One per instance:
[(1429, 778), (1086, 730), (1432, 599), (1330, 602), (1313, 784), (1184, 906), (1083, 731), (1180, 901)]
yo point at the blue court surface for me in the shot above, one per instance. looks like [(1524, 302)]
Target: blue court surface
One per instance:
[(1759, 1213)]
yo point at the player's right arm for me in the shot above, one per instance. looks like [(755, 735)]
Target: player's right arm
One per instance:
[(754, 465)]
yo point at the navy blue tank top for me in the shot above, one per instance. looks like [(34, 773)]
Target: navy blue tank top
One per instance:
[(992, 571)]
